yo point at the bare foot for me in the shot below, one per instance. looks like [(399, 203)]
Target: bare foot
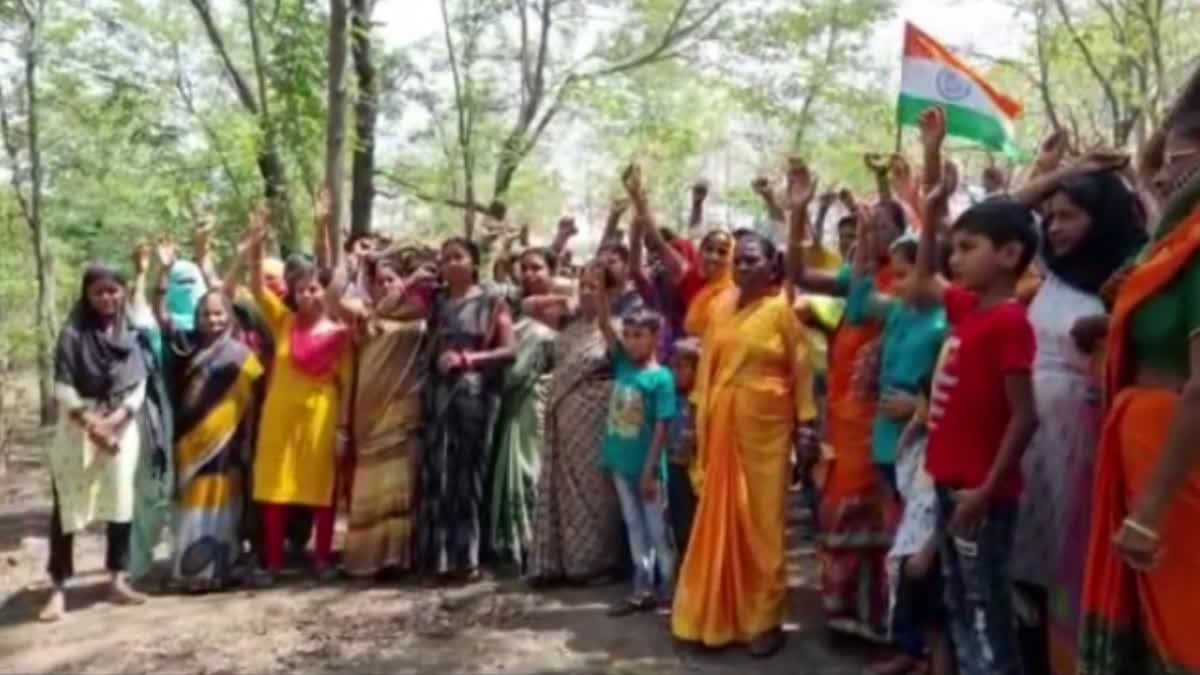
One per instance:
[(54, 608), (121, 593)]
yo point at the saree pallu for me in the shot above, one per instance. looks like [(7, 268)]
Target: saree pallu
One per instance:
[(386, 448), (753, 384), (1143, 622), (214, 400), (855, 532), (1140, 622), (577, 522), (519, 438)]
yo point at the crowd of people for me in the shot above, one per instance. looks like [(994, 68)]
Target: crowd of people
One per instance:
[(991, 413)]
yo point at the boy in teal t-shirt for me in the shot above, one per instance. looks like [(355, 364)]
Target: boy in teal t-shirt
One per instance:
[(641, 409)]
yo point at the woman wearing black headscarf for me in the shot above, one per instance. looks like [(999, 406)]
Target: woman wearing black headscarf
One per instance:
[(100, 374), (1093, 224)]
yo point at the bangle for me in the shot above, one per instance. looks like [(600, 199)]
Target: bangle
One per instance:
[(1140, 529)]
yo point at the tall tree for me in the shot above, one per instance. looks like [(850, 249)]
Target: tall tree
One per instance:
[(513, 67), (256, 103), (26, 176), (366, 101), (335, 134)]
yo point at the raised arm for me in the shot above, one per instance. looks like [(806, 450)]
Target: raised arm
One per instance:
[(801, 187), (141, 267), (166, 258), (562, 236), (824, 203), (933, 134), (696, 217), (880, 167), (613, 223), (800, 190), (202, 253), (762, 188), (644, 231)]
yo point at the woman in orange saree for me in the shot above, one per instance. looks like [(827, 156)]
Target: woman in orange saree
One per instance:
[(855, 518), (1141, 601), (753, 385)]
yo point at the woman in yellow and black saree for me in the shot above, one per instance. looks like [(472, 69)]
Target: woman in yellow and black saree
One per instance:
[(212, 388)]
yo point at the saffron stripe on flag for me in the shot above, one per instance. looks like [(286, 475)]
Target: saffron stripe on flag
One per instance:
[(920, 45)]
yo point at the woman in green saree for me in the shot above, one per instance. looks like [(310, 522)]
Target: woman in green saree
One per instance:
[(519, 432)]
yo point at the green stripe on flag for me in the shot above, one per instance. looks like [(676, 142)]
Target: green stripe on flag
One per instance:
[(987, 130)]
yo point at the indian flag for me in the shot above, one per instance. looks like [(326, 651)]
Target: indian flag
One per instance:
[(932, 76)]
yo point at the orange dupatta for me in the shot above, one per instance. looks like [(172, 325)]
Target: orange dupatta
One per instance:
[(1140, 621), (696, 321)]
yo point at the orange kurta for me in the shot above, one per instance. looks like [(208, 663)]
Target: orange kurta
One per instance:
[(753, 384)]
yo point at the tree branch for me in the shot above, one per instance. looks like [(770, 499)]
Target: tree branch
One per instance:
[(1109, 91), (672, 36), (14, 155), (245, 94), (416, 191)]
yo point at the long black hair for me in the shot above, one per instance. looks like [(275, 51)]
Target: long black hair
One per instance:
[(1117, 230), (472, 250)]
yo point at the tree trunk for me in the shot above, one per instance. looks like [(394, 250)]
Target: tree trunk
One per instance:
[(43, 259), (275, 190), (335, 129), (362, 195)]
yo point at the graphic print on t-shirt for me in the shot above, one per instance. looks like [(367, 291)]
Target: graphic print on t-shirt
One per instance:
[(944, 381), (627, 412)]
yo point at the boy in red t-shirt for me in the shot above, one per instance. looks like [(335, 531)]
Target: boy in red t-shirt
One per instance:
[(981, 413)]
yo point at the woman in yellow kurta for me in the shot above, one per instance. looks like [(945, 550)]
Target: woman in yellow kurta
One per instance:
[(754, 384), (295, 463)]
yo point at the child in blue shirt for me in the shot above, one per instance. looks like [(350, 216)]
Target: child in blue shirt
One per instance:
[(641, 409), (913, 333)]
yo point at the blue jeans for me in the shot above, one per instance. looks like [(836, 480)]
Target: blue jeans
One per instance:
[(649, 543), (978, 592)]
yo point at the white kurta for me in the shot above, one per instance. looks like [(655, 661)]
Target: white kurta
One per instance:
[(92, 485)]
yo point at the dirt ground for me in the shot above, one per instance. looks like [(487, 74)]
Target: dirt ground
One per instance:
[(488, 627)]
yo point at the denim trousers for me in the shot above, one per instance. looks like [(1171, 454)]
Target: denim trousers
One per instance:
[(649, 541), (977, 581)]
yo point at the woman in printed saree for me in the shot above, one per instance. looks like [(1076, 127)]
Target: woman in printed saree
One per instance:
[(295, 465), (753, 385), (855, 533), (1140, 595), (213, 378), (384, 416), (519, 432), (577, 531), (100, 373), (472, 341), (1093, 225)]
